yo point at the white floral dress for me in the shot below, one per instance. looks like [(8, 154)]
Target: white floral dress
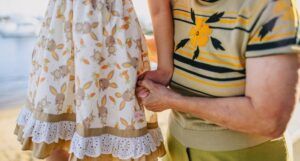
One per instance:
[(81, 94)]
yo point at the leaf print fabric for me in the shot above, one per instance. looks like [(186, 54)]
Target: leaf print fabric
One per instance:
[(82, 83)]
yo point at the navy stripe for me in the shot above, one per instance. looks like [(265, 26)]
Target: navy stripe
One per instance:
[(200, 92), (243, 16), (208, 67), (177, 19), (210, 78), (235, 28), (211, 1), (272, 45)]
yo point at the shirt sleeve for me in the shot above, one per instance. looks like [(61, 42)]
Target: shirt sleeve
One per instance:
[(276, 30)]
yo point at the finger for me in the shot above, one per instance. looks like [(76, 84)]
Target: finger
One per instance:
[(139, 88), (143, 93), (139, 83), (144, 100), (152, 108), (147, 84), (149, 100), (149, 108)]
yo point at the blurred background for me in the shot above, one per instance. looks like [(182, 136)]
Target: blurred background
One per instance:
[(19, 25)]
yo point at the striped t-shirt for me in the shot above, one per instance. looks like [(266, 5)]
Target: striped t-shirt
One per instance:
[(213, 39)]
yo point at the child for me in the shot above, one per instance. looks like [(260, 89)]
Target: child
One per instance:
[(81, 95)]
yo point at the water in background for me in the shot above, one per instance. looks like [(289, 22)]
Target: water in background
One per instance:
[(37, 8), (15, 53)]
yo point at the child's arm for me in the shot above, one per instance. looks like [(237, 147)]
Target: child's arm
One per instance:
[(163, 32)]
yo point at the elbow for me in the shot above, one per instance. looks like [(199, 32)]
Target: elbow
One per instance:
[(275, 132), (273, 121), (275, 127)]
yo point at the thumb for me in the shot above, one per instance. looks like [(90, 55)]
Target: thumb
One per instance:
[(147, 84)]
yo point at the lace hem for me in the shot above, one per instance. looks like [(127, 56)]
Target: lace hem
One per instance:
[(23, 116), (45, 132), (81, 147), (119, 147)]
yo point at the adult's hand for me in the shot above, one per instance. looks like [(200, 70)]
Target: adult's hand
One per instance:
[(158, 98), (158, 76)]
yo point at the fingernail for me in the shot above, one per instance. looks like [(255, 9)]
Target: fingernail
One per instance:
[(143, 95)]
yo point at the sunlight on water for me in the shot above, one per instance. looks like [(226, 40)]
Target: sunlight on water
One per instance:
[(23, 7), (38, 7)]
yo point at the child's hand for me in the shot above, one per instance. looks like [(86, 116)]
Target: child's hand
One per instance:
[(159, 76)]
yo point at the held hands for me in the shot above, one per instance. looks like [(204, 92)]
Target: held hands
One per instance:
[(159, 76), (156, 97), (152, 90)]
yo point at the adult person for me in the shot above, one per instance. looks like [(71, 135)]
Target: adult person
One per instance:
[(233, 88)]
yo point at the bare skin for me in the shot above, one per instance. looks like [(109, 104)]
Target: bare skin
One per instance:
[(163, 32), (266, 108), (58, 155)]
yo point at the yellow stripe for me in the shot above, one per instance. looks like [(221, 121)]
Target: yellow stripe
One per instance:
[(185, 15), (280, 27), (243, 21), (256, 39), (207, 60), (232, 21), (294, 4), (181, 13), (227, 56), (209, 83)]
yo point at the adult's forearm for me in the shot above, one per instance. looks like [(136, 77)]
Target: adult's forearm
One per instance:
[(236, 113)]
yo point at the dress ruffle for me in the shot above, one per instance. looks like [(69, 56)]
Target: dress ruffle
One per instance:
[(44, 137), (119, 147), (82, 83)]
